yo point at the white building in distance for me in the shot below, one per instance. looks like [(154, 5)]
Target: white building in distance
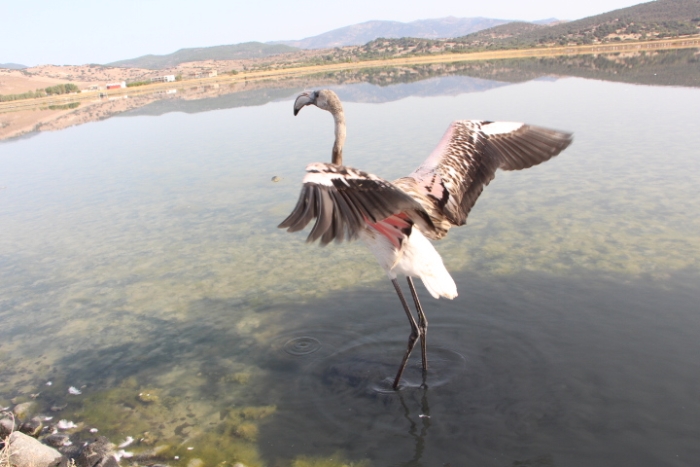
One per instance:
[(163, 79)]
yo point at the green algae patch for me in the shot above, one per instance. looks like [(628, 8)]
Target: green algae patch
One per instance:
[(149, 396), (166, 429), (232, 440), (213, 449), (243, 423), (258, 413), (241, 377), (247, 431), (336, 460), (121, 411)]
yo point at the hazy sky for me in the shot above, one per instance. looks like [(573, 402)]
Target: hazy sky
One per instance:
[(34, 32)]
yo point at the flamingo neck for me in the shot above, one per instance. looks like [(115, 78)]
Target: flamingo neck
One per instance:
[(339, 118), (329, 101)]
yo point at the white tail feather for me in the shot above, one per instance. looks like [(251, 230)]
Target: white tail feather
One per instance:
[(420, 259), (441, 285), (417, 258)]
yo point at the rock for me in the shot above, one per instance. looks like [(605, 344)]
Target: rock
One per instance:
[(148, 439), (56, 440), (7, 426), (71, 451), (195, 463), (32, 427), (26, 451), (148, 397), (24, 410), (99, 453)]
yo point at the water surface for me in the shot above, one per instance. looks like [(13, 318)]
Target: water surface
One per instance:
[(140, 256)]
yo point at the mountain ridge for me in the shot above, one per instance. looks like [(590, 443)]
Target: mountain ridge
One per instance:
[(659, 19), (356, 34), (13, 66), (361, 33), (240, 51)]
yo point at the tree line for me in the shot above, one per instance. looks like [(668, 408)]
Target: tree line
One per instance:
[(50, 91)]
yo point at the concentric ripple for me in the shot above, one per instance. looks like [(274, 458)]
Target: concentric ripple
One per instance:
[(302, 346)]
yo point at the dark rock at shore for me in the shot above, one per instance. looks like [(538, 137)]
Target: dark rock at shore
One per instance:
[(7, 426), (56, 440), (32, 427), (71, 451), (24, 409), (99, 453)]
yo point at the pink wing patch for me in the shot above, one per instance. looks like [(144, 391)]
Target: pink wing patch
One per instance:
[(396, 228)]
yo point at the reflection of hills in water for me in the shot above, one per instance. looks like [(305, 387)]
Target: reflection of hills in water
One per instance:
[(226, 101), (356, 92), (376, 85), (442, 86), (663, 68)]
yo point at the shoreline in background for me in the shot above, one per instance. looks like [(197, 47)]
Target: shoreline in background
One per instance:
[(622, 47), (667, 66)]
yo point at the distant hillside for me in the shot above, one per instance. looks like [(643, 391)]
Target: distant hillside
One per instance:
[(219, 52), (549, 21), (657, 19), (358, 34), (514, 29), (13, 66), (646, 21)]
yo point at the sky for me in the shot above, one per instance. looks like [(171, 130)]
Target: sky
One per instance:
[(76, 32)]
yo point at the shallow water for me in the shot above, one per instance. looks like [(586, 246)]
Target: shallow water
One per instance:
[(140, 255)]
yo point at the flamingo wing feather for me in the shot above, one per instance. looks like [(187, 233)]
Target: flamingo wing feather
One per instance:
[(344, 200), (466, 159)]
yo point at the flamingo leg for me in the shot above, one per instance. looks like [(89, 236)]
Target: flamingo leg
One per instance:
[(422, 325), (415, 333)]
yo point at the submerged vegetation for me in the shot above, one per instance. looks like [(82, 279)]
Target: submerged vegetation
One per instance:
[(175, 366), (335, 460)]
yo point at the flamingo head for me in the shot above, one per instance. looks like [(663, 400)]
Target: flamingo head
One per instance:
[(304, 99)]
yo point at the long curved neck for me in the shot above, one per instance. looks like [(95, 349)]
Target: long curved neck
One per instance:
[(339, 118), (331, 103)]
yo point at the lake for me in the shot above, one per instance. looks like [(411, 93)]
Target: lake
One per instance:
[(140, 262)]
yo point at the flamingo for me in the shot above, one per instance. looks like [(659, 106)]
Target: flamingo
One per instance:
[(396, 219)]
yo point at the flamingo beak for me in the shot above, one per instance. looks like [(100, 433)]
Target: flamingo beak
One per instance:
[(304, 99)]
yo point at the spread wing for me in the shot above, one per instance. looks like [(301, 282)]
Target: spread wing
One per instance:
[(344, 200), (466, 159)]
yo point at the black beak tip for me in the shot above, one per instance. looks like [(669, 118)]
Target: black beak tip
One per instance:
[(296, 111)]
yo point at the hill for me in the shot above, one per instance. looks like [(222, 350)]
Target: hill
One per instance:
[(657, 19), (358, 34), (12, 66), (242, 51), (653, 20)]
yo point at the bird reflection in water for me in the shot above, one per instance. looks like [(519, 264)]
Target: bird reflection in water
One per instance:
[(423, 417)]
